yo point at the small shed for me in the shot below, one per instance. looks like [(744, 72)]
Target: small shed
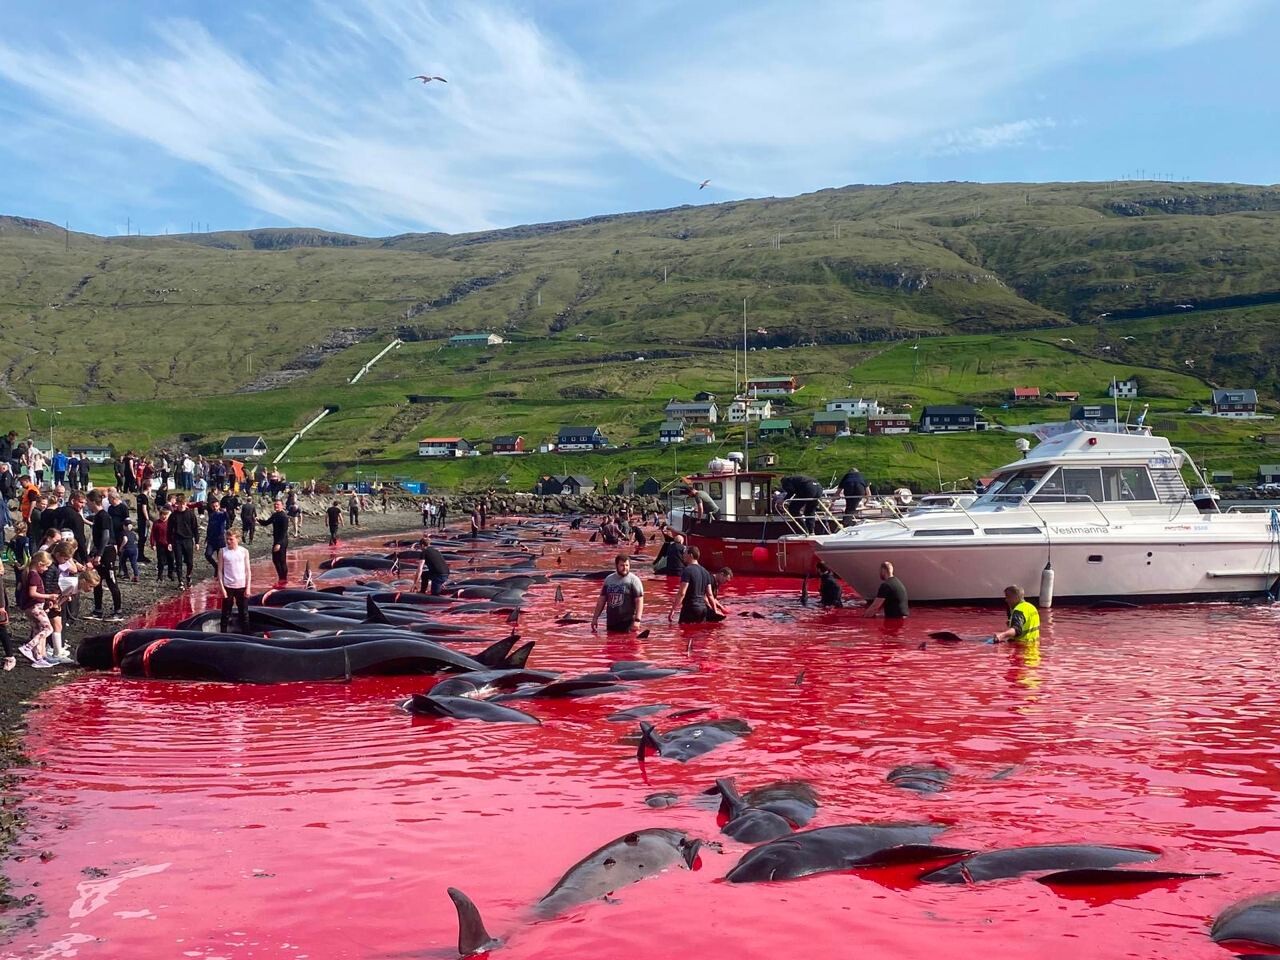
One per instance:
[(830, 423), (1269, 473), (475, 340), (704, 395), (1221, 476), (576, 484), (1026, 393), (650, 488), (548, 486), (1068, 396), (775, 428)]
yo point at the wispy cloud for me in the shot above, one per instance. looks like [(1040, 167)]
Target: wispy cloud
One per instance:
[(314, 119), (998, 136)]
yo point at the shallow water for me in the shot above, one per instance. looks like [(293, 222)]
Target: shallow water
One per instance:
[(316, 821)]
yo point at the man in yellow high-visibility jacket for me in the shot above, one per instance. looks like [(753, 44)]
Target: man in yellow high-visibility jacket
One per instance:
[(1024, 618)]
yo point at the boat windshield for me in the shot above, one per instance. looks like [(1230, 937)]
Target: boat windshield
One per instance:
[(1012, 487)]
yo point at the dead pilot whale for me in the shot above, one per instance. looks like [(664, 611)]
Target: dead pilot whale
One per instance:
[(619, 863)]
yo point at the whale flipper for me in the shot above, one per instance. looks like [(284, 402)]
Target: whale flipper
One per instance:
[(472, 936)]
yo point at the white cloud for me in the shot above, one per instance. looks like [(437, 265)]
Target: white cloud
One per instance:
[(998, 136), (316, 121)]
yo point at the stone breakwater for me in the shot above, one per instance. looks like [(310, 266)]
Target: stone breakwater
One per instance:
[(499, 503)]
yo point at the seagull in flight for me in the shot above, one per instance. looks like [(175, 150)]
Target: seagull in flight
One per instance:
[(426, 79), (703, 184)]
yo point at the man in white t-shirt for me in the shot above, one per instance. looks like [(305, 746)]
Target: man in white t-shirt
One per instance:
[(234, 580)]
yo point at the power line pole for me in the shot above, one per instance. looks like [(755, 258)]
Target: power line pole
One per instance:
[(66, 234)]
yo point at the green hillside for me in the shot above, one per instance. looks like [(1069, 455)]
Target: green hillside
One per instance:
[(136, 317), (911, 293)]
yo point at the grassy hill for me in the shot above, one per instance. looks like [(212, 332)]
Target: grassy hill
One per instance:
[(914, 293)]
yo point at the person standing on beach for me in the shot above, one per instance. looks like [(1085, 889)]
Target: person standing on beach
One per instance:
[(160, 543), (215, 537), (353, 510), (184, 534), (248, 518), (279, 524), (334, 514), (235, 578)]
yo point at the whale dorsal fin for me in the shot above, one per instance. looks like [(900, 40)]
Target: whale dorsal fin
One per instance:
[(472, 936)]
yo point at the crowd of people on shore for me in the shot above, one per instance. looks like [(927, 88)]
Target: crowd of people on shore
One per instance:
[(66, 539)]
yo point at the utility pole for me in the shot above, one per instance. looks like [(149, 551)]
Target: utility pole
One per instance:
[(128, 226), (664, 274), (66, 233)]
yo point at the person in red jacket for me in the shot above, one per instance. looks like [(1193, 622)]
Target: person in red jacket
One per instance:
[(164, 551)]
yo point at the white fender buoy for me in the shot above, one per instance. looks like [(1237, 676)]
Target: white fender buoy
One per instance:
[(1046, 586)]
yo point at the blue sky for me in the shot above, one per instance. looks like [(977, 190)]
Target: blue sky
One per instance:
[(242, 114)]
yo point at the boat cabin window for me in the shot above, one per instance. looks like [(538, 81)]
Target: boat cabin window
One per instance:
[(716, 489), (1096, 485), (753, 499), (1127, 484)]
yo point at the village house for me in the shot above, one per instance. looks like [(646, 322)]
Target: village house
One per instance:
[(772, 386), (475, 340), (696, 411), (948, 419), (854, 407), (671, 431), (1026, 393), (831, 423), (1235, 403), (704, 395), (887, 423), (507, 445), (774, 428), (1269, 473), (547, 486), (1123, 389), (701, 435), (244, 446), (443, 447), (1093, 411), (743, 410), (580, 438), (1069, 396)]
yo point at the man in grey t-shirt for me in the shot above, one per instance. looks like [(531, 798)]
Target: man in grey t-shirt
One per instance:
[(621, 597)]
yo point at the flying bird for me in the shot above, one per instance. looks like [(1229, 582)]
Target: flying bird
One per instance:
[(703, 184), (426, 79)]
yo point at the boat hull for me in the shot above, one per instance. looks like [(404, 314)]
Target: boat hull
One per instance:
[(751, 549), (1084, 570)]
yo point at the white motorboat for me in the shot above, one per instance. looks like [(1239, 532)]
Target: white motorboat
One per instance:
[(1107, 512)]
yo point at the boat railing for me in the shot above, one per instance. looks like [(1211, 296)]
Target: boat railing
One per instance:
[(828, 520)]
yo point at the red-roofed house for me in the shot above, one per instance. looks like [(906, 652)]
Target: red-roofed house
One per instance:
[(443, 447), (1026, 393)]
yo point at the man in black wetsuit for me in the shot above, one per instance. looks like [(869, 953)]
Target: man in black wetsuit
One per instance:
[(828, 587), (248, 518), (279, 524), (803, 494), (184, 534)]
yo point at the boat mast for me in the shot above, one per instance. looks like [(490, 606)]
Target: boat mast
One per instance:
[(746, 402)]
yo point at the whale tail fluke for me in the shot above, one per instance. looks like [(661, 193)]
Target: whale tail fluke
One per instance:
[(731, 802), (473, 938), (495, 654)]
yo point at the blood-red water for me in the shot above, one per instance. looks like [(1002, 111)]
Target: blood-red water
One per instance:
[(316, 821)]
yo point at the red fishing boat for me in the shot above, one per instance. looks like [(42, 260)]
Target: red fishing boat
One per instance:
[(743, 532)]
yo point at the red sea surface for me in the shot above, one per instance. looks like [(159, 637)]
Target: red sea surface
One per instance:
[(317, 822)]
